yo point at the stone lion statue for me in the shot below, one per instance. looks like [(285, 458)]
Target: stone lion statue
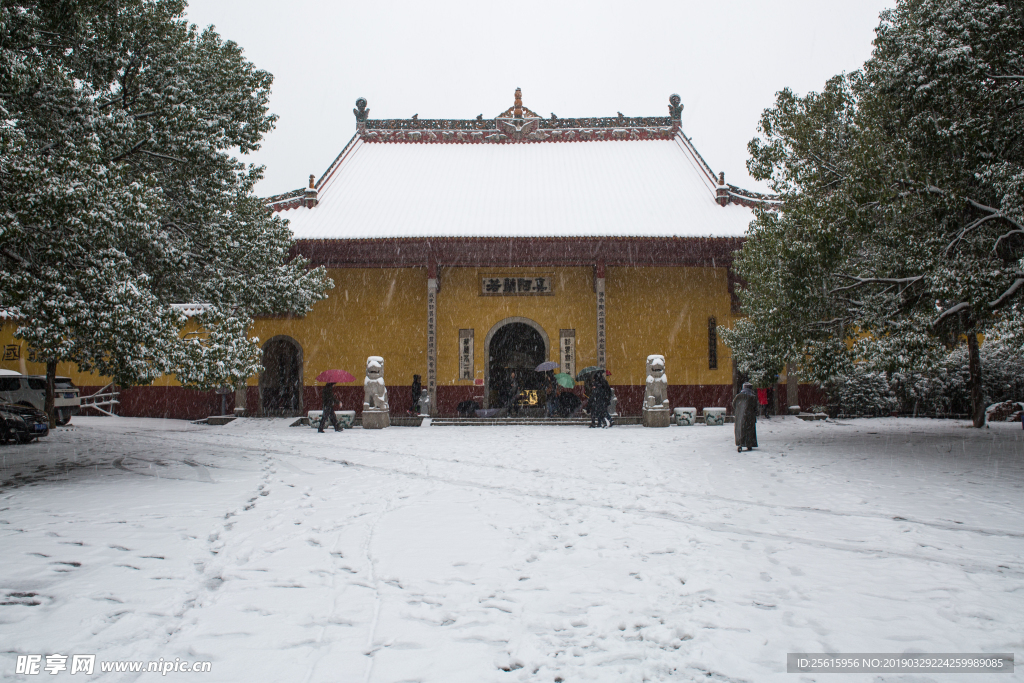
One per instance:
[(656, 392), (375, 394)]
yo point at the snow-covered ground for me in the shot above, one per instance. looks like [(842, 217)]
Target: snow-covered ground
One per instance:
[(479, 554)]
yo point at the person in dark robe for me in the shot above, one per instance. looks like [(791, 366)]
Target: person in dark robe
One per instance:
[(600, 398), (328, 407), (588, 394), (511, 403), (416, 389), (744, 408), (550, 393)]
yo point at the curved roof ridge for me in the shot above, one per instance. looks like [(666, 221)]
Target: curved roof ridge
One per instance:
[(430, 192)]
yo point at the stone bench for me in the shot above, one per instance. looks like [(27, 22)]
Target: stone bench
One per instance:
[(346, 418), (714, 417), (685, 417)]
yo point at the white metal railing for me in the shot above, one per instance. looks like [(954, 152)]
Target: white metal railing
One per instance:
[(102, 400)]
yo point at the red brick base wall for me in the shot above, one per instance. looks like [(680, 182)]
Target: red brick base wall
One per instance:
[(176, 403), (699, 396), (189, 404)]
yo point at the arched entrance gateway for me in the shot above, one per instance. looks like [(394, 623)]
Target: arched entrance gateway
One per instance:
[(513, 345), (281, 379)]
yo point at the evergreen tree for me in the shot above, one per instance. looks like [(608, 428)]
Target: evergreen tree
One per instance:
[(119, 194), (903, 185)]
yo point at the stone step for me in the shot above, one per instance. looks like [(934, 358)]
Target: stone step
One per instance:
[(522, 421)]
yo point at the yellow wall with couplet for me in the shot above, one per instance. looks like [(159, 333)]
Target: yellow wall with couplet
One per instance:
[(382, 311), (649, 310), (460, 305), (665, 311)]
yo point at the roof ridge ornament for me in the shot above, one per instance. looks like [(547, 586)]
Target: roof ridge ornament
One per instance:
[(310, 193), (675, 109), (517, 111), (360, 111)]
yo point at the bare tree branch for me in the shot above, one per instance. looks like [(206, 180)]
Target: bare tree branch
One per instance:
[(162, 156), (1004, 236), (978, 223), (133, 150), (1005, 296), (16, 257), (954, 310), (998, 212), (827, 323), (861, 281)]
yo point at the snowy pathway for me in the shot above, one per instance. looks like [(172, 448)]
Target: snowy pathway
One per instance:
[(510, 553)]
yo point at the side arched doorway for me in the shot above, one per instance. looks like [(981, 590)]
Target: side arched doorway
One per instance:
[(514, 345), (281, 379)]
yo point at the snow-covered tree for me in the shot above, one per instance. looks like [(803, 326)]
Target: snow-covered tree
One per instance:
[(903, 223), (119, 194)]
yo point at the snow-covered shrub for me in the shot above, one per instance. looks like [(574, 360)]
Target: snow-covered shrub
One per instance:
[(942, 391), (865, 392)]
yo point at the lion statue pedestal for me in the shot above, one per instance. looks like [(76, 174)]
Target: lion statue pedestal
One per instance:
[(656, 412), (376, 414)]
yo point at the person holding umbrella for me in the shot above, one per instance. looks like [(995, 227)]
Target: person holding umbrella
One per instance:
[(328, 406), (586, 375), (330, 377), (550, 385)]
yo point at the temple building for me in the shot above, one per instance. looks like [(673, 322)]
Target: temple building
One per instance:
[(463, 250)]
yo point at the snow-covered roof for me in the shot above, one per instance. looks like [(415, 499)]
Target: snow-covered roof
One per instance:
[(518, 176), (191, 310)]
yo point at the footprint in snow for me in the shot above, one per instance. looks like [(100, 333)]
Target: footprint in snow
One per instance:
[(24, 599), (64, 566)]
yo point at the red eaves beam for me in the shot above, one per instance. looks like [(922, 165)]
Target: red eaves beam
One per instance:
[(717, 252)]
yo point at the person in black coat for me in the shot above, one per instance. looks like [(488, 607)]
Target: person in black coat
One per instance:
[(600, 397), (417, 387), (744, 409), (511, 404), (328, 407)]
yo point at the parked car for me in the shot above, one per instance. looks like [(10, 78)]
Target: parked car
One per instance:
[(30, 390), (22, 423)]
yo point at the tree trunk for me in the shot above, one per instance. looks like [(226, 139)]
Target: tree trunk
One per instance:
[(977, 390), (51, 374)]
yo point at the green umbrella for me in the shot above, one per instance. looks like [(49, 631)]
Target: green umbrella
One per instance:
[(565, 380)]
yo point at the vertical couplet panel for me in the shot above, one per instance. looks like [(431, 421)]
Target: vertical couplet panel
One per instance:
[(466, 354), (432, 343)]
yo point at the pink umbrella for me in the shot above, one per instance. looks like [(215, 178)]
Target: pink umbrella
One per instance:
[(334, 376)]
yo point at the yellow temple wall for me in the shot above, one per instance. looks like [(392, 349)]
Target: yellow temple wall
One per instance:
[(383, 311), (665, 311), (370, 311)]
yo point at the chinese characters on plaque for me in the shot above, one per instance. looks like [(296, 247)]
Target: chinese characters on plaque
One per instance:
[(466, 354), (432, 339), (505, 285), (567, 351), (12, 352), (599, 286)]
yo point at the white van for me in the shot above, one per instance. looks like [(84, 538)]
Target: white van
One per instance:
[(30, 390)]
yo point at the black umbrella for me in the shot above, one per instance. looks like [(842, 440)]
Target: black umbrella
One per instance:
[(587, 371)]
